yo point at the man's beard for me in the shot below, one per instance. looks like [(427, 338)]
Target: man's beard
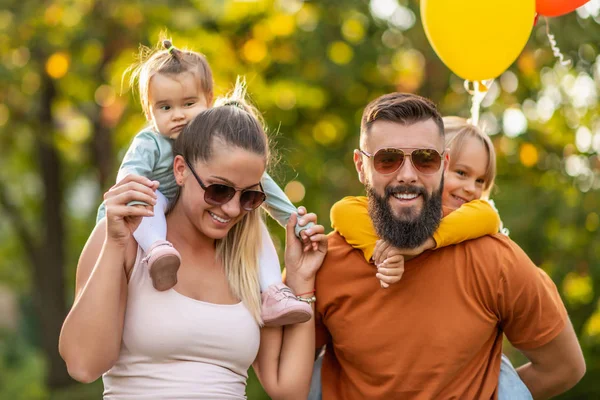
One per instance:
[(405, 232)]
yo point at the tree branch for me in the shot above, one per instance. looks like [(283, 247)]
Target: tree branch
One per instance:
[(14, 215)]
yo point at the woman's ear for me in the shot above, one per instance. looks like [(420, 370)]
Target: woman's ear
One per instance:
[(179, 169)]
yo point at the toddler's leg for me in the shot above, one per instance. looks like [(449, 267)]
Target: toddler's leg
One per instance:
[(510, 385), (279, 304), (269, 271), (278, 205), (162, 258)]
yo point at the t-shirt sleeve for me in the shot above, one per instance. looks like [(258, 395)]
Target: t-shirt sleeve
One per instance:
[(531, 310), (350, 218), (472, 220), (141, 157), (322, 336)]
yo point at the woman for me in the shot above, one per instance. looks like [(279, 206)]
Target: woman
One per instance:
[(198, 339)]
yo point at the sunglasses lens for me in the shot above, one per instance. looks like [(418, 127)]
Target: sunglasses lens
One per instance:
[(216, 194), (427, 161), (251, 199), (387, 161)]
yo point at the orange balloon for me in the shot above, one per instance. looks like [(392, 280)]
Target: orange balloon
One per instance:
[(554, 8)]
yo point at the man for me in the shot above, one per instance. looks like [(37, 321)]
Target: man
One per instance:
[(437, 334)]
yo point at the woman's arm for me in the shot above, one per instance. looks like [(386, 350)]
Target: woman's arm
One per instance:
[(90, 338), (286, 356)]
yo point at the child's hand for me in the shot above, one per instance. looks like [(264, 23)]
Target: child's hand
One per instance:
[(380, 253), (391, 269), (306, 234), (427, 245), (382, 249), (389, 260)]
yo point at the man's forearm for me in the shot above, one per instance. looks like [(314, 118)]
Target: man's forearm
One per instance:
[(544, 384)]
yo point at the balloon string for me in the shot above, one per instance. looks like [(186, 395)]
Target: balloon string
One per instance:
[(555, 50), (477, 92)]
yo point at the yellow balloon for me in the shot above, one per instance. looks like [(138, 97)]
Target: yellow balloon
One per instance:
[(478, 39)]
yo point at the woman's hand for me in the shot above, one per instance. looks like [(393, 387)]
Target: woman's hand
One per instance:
[(302, 261), (123, 219), (304, 236)]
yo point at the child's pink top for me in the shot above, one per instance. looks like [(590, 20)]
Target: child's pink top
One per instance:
[(175, 347)]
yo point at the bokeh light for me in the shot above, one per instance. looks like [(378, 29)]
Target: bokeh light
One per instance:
[(514, 122), (340, 53), (295, 191), (57, 65)]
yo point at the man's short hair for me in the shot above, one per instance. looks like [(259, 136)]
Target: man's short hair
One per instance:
[(403, 108)]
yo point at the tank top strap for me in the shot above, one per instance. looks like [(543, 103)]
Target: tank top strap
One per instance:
[(137, 275)]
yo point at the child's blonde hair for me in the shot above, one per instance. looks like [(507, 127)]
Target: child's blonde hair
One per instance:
[(457, 130), (167, 59), (231, 122)]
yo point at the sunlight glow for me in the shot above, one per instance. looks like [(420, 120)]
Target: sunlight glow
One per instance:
[(383, 9), (583, 139), (514, 122)]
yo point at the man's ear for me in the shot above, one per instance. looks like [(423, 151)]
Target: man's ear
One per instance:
[(179, 168), (359, 165), (446, 160)]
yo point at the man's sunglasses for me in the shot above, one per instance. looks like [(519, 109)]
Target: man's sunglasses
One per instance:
[(387, 161), (218, 194)]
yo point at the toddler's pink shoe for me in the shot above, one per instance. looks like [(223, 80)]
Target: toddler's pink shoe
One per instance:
[(163, 262), (281, 307)]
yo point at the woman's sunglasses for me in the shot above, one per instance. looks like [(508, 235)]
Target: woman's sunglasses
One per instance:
[(218, 194), (387, 161)]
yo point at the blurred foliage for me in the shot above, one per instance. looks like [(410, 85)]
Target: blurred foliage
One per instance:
[(311, 68)]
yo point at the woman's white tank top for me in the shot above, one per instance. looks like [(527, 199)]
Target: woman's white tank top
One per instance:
[(175, 347)]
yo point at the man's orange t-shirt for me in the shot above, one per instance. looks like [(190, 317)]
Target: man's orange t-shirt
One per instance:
[(436, 334)]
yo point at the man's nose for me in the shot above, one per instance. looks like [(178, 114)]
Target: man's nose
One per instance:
[(407, 172)]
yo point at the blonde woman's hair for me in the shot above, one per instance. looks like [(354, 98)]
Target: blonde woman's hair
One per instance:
[(232, 123), (457, 130)]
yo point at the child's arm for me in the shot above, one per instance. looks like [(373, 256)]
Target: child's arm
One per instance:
[(350, 218), (141, 157), (471, 220), (277, 204)]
